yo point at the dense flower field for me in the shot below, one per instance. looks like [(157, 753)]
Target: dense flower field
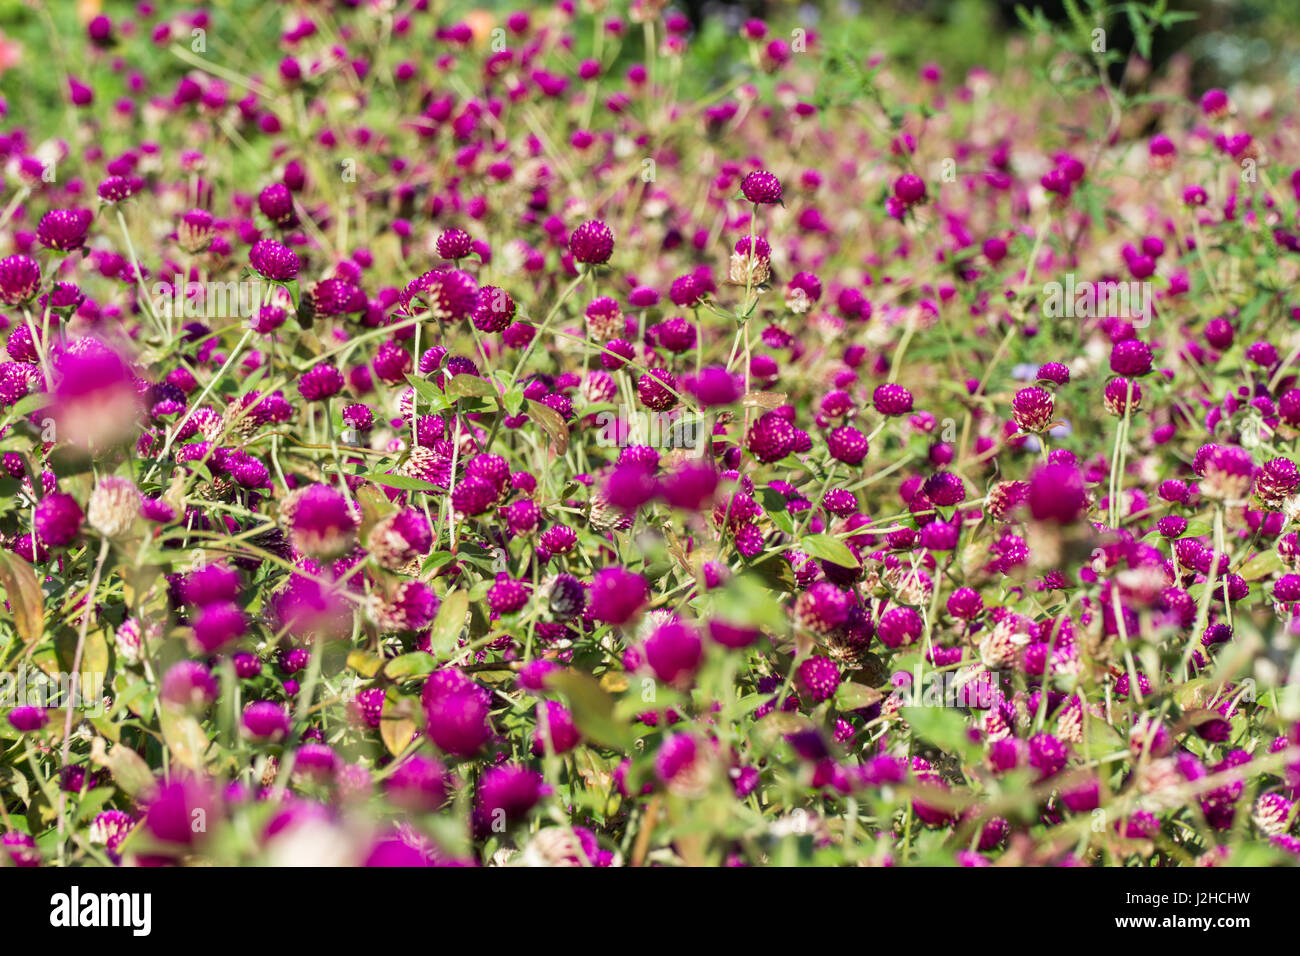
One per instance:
[(475, 439)]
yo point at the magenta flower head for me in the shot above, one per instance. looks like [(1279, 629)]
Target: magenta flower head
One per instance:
[(276, 204), (1032, 409), (27, 719), (1227, 471), (673, 652), (823, 608), (189, 685), (448, 295), (399, 538), (1122, 394), (96, 402), (64, 230), (274, 261), (321, 522), (945, 489), (57, 519), (419, 784), (817, 679), (116, 189), (494, 310), (617, 595), (771, 437), (20, 849), (20, 277), (320, 383), (715, 386), (556, 730), (892, 399), (1131, 358), (899, 627), (454, 244), (909, 189), (1054, 372), (653, 389), (847, 444), (265, 720), (1057, 494), (1276, 481), (684, 765), (1215, 104), (592, 243), (195, 231), (761, 188), (630, 485), (219, 625), (506, 793), (457, 711), (175, 810)]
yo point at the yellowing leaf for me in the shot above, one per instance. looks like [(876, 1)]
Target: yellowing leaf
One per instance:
[(26, 601)]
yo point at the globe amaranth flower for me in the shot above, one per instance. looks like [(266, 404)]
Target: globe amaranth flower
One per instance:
[(321, 522), (847, 444), (320, 383), (751, 262), (274, 261), (817, 678), (1121, 395), (899, 627), (556, 731), (1226, 471), (20, 277), (457, 712), (656, 390), (265, 720), (57, 520), (761, 188), (397, 539), (1033, 409), (1277, 480), (448, 295), (114, 505), (419, 784), (592, 243), (454, 244), (1056, 494), (891, 399), (674, 651), (771, 437), (494, 309), (507, 792), (116, 189), (189, 685), (218, 625), (276, 204), (617, 595), (909, 189), (1130, 358), (64, 230), (822, 608)]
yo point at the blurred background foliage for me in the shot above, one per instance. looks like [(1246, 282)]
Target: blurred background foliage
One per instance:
[(1226, 42)]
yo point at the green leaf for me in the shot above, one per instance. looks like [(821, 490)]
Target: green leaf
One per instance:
[(829, 548), (942, 726), (448, 624), (551, 423), (400, 482), (470, 386), (593, 709), (415, 664)]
